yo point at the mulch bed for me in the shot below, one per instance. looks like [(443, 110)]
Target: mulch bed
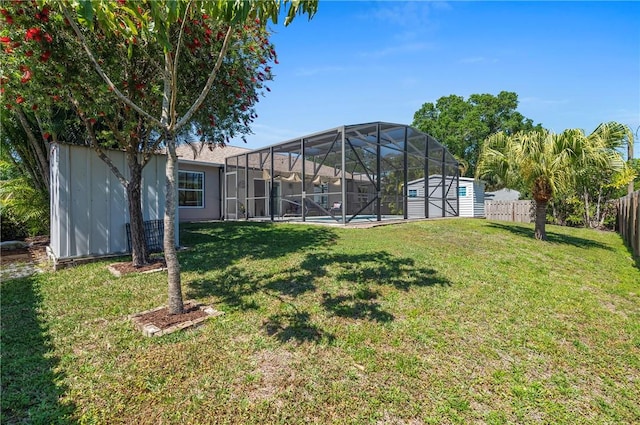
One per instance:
[(159, 322), (127, 267), (162, 319)]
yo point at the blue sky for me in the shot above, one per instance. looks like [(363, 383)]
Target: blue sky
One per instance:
[(572, 64)]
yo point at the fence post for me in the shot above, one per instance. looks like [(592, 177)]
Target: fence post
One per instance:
[(629, 221)]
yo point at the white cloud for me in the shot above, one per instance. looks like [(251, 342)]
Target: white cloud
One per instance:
[(624, 116), (410, 20)]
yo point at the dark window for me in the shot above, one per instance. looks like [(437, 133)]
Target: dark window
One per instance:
[(191, 189)]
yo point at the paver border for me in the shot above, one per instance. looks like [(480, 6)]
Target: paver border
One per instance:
[(149, 329)]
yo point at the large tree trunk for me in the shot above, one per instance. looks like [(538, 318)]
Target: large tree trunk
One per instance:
[(176, 305), (541, 220), (139, 253)]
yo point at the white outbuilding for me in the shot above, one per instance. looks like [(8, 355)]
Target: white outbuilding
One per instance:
[(470, 197), (89, 211)]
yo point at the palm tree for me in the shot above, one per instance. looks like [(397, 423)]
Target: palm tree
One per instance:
[(545, 163)]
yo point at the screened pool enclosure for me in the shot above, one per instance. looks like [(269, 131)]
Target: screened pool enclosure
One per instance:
[(366, 172)]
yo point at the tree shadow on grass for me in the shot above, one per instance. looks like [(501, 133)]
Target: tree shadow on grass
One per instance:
[(377, 267), (360, 305), (552, 237), (359, 278), (296, 326), (30, 386), (361, 274), (218, 245)]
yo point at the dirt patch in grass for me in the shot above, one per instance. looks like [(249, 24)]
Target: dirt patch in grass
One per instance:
[(275, 371), (36, 252)]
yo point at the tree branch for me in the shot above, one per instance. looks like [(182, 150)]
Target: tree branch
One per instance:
[(174, 75), (212, 76), (94, 144), (150, 150), (100, 71)]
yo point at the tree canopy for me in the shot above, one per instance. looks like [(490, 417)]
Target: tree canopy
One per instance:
[(463, 125)]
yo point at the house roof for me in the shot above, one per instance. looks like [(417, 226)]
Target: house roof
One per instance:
[(439, 177), (502, 195), (196, 152)]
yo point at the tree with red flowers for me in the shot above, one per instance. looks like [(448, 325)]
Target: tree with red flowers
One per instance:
[(185, 92), (24, 121), (132, 63)]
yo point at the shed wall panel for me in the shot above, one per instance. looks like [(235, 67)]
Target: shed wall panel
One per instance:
[(79, 197), (89, 204), (117, 207), (99, 206), (54, 207), (153, 183)]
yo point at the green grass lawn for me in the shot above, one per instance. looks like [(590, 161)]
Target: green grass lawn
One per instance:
[(448, 321)]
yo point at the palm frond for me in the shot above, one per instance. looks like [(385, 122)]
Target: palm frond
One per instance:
[(25, 205)]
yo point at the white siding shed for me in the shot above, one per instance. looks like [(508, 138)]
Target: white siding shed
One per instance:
[(89, 204), (470, 197)]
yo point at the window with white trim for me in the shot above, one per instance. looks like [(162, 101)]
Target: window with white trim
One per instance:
[(191, 189)]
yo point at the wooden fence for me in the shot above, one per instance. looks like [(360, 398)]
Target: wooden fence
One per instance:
[(518, 211), (629, 220)]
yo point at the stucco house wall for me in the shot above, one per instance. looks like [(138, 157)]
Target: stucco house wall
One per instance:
[(210, 162), (212, 197)]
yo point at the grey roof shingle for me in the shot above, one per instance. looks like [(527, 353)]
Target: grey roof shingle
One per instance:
[(200, 153)]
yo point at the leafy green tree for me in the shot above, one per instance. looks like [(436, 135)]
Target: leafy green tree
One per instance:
[(634, 164), (546, 163), (463, 125), (590, 201), (163, 26)]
